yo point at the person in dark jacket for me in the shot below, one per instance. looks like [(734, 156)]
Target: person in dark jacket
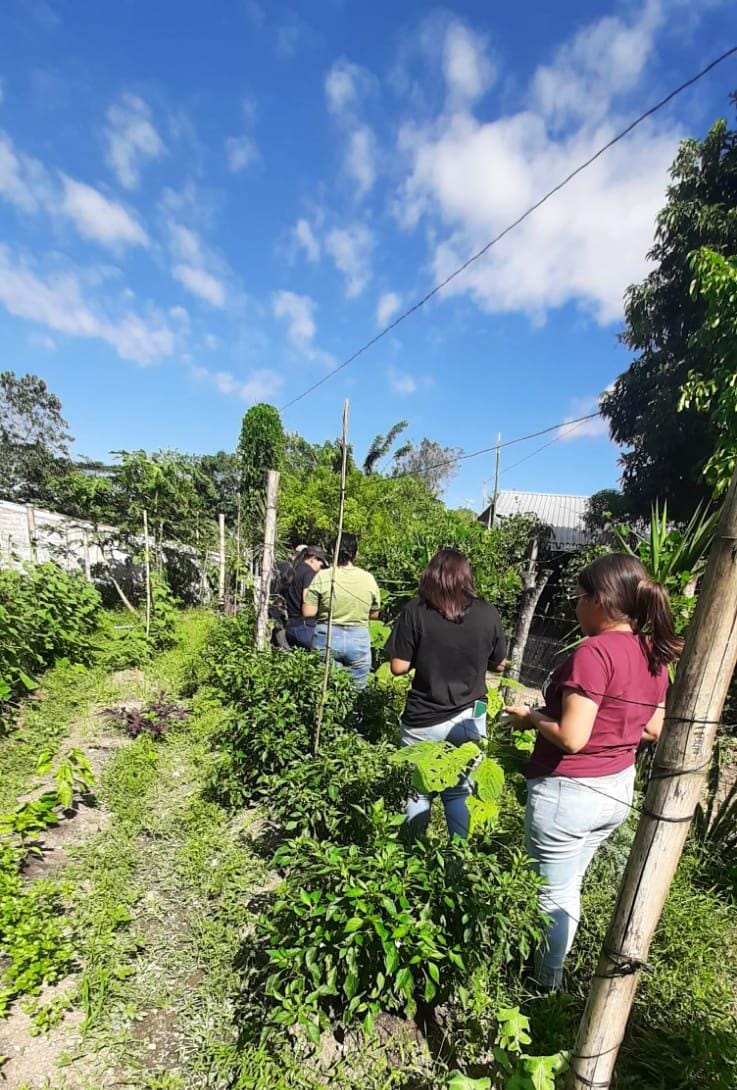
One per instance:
[(300, 631)]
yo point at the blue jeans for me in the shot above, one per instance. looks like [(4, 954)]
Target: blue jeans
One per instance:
[(566, 820), (300, 635), (350, 646), (460, 728)]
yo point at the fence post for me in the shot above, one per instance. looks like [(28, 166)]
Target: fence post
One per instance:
[(339, 537), (147, 559), (221, 575), (31, 522), (681, 765), (267, 565), (86, 554)]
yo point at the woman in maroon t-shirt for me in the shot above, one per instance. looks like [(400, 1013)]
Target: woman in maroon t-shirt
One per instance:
[(600, 704)]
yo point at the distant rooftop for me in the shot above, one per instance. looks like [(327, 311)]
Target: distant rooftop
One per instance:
[(563, 513)]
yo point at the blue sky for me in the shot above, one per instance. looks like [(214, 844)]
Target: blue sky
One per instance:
[(206, 205)]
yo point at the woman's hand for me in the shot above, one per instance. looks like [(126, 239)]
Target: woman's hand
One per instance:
[(520, 715)]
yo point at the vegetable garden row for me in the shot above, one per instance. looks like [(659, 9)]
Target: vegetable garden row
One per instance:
[(258, 911)]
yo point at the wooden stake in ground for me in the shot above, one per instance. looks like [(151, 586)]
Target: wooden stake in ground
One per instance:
[(86, 554), (267, 566), (221, 573), (32, 543), (681, 763), (147, 561), (341, 508)]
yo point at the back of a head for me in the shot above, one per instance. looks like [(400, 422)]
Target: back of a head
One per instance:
[(348, 549), (447, 584), (626, 592)]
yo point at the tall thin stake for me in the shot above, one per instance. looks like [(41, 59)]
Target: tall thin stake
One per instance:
[(267, 566), (681, 764), (221, 571), (32, 538), (147, 561), (326, 675), (492, 505)]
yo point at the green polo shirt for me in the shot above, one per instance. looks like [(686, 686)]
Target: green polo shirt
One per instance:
[(356, 595)]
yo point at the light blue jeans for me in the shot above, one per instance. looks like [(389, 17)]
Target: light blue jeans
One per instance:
[(460, 728), (350, 646), (565, 822)]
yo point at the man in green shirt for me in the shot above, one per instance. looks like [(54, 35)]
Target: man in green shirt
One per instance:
[(356, 600)]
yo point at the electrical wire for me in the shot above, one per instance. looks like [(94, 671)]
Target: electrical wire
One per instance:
[(510, 227)]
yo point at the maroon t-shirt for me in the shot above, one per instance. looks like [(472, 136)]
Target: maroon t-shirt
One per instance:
[(603, 668)]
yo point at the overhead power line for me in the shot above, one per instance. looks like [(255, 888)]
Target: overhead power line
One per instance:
[(520, 219)]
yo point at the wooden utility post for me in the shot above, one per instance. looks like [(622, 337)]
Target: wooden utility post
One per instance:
[(147, 560), (341, 509), (492, 505), (681, 765), (267, 565), (221, 570)]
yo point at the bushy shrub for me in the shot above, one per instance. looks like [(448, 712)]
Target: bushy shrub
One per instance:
[(356, 930), (45, 614), (327, 797), (275, 697)]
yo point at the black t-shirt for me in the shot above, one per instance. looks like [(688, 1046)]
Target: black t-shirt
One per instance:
[(303, 576), (450, 660)]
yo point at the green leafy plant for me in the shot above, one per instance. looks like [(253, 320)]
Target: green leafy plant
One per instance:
[(356, 930), (438, 765), (525, 1072), (73, 778), (45, 614)]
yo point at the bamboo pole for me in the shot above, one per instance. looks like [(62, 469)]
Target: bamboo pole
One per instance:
[(267, 564), (221, 574), (86, 553), (147, 560), (32, 542), (681, 765), (341, 509)]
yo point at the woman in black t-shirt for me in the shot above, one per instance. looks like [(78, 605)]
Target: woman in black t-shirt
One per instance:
[(450, 637)]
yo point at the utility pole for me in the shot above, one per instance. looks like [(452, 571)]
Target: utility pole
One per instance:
[(339, 538), (681, 764), (221, 567), (267, 566), (492, 505)]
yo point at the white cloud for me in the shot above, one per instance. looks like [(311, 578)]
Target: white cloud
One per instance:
[(388, 305), (468, 179), (605, 58), (24, 180), (202, 283), (199, 271), (98, 218), (241, 152), (260, 385), (401, 383), (181, 315), (350, 248), (298, 310), (132, 139), (56, 300), (360, 158), (306, 240), (42, 340), (467, 69), (594, 428), (346, 86)]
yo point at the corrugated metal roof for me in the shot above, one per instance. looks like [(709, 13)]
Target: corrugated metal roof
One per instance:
[(563, 513)]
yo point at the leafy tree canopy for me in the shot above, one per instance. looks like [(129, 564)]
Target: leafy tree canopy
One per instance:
[(34, 440), (663, 320)]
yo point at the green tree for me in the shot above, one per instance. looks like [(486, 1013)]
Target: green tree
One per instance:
[(34, 440), (667, 450), (429, 462), (714, 392), (603, 508), (381, 446), (260, 448)]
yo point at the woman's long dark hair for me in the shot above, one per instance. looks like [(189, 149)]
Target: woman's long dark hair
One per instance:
[(447, 584), (627, 593)]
